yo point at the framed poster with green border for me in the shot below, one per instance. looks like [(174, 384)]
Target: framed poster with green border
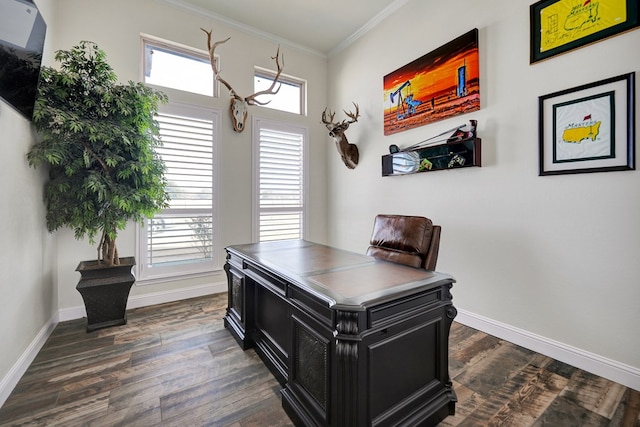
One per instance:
[(558, 26), (589, 128)]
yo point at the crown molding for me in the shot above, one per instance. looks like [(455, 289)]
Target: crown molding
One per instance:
[(386, 12), (179, 4)]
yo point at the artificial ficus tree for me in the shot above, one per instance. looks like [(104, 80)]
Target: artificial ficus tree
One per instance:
[(98, 139)]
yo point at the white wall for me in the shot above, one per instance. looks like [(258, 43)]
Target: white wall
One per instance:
[(556, 256), (27, 270), (37, 269), (116, 27), (27, 277)]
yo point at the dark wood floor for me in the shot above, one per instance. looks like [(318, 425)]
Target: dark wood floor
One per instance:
[(175, 365)]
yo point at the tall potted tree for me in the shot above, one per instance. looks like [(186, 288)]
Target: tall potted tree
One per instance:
[(98, 139)]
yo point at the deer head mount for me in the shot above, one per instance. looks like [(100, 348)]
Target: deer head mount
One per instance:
[(348, 152), (238, 105)]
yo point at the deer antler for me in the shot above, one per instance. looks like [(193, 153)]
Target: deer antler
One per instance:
[(345, 123), (251, 99), (324, 117), (238, 105), (352, 116), (212, 59)]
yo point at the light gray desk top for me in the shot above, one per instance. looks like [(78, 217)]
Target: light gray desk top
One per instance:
[(341, 278)]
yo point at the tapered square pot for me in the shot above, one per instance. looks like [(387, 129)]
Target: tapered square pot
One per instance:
[(105, 291)]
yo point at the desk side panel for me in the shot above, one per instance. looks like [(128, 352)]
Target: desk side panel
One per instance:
[(273, 330), (238, 320), (307, 396), (405, 360)]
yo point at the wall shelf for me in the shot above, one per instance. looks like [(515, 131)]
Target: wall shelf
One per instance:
[(452, 155)]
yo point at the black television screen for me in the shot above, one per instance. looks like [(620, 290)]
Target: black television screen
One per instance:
[(22, 32)]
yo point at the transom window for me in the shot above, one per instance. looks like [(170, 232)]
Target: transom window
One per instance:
[(177, 67), (290, 97)]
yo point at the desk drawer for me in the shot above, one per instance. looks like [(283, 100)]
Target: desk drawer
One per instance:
[(234, 261), (312, 306), (392, 310), (265, 278)]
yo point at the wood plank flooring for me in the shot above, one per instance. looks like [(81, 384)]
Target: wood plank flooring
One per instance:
[(175, 365)]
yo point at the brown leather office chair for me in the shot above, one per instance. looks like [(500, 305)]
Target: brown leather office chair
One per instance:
[(409, 240)]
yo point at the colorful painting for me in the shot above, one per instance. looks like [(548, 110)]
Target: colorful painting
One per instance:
[(441, 84), (589, 128), (561, 25)]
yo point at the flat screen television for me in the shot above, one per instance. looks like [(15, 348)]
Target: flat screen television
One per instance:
[(22, 31)]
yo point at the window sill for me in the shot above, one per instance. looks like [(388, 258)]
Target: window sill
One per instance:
[(214, 274)]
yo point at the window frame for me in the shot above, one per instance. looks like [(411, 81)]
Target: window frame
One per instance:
[(287, 79), (158, 274), (257, 123), (180, 49)]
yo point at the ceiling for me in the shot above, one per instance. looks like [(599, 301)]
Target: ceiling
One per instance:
[(320, 26)]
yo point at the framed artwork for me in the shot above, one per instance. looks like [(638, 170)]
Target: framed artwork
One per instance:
[(441, 84), (558, 26), (588, 128)]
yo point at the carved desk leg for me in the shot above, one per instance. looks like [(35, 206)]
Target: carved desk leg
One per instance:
[(347, 341), (451, 314)]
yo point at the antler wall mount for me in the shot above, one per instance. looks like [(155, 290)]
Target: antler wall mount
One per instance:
[(348, 152), (238, 106)]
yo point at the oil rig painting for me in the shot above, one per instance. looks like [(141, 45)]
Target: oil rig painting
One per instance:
[(439, 85)]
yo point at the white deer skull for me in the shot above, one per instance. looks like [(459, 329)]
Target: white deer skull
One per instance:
[(238, 106), (348, 152)]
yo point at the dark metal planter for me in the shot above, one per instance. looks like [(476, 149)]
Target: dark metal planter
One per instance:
[(105, 291)]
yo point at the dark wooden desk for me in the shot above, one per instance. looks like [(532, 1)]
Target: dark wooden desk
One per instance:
[(353, 340)]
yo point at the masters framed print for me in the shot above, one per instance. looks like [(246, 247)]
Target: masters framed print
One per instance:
[(558, 26), (588, 128)]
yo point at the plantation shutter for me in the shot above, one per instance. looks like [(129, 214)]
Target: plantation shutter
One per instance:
[(182, 238), (187, 151), (280, 182)]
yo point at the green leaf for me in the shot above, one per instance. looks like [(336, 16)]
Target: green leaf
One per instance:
[(97, 139)]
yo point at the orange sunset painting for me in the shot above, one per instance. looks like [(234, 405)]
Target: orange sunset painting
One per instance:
[(441, 84)]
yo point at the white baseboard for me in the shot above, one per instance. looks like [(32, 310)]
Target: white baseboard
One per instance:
[(615, 371), (175, 295), (8, 383), (145, 300)]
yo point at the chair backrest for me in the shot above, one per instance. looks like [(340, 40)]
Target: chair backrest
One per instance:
[(409, 240)]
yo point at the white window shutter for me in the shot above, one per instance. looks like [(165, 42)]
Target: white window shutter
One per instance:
[(182, 239), (280, 181)]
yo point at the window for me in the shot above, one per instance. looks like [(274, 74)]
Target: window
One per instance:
[(177, 67), (182, 239), (289, 98), (279, 180)]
